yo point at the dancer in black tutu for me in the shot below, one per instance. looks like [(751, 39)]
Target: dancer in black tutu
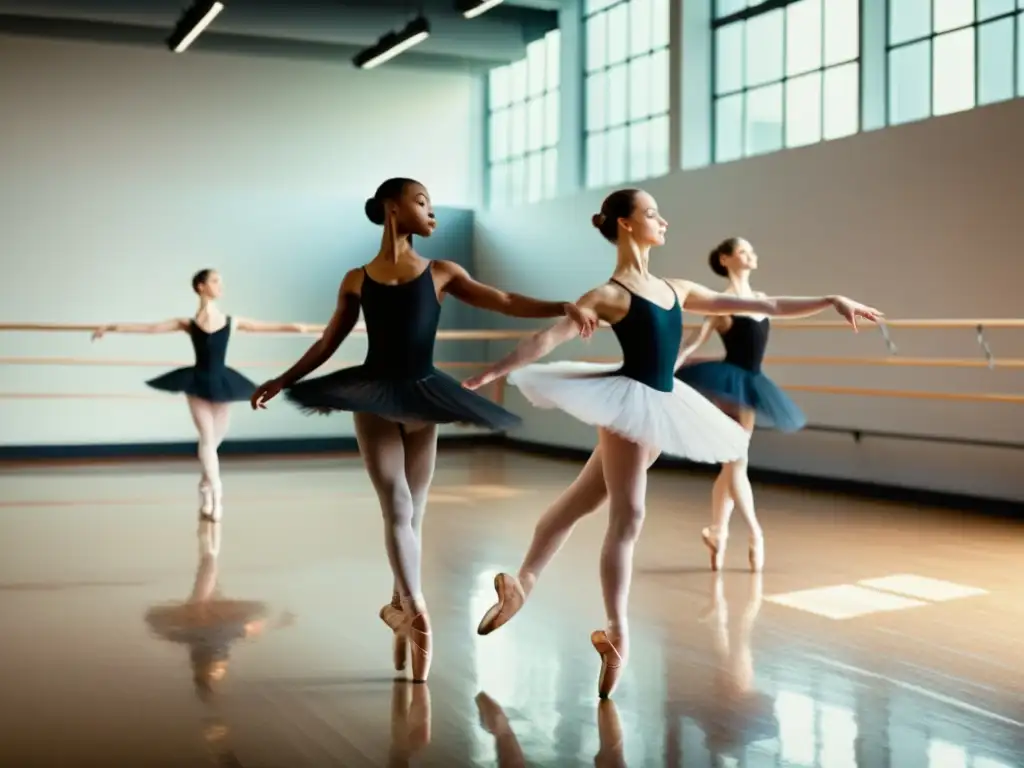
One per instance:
[(397, 396), (737, 386), (209, 385)]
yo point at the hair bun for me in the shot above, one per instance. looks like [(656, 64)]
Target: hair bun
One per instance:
[(374, 210), (597, 220)]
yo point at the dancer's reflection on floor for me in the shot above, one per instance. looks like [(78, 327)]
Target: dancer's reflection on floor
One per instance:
[(209, 624), (731, 711), (410, 721), (510, 754)]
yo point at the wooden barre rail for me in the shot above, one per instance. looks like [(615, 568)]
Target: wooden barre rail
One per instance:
[(972, 397), (910, 362), (485, 335)]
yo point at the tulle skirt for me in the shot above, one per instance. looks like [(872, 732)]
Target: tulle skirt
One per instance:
[(435, 398), (730, 383), (224, 385), (680, 423)]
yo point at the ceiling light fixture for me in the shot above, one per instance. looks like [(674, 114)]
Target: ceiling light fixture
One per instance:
[(192, 23), (393, 44)]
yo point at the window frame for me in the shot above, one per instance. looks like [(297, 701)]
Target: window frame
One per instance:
[(1016, 14), (745, 15)]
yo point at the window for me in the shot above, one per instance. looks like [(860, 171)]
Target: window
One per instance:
[(627, 82), (785, 74), (522, 120), (950, 55)]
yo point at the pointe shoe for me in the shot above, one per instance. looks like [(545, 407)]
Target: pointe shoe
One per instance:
[(716, 547), (416, 631), (755, 554), (205, 501), (511, 598), (611, 663), (400, 645)]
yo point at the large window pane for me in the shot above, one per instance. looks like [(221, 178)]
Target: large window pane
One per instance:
[(659, 81), (658, 134), (995, 61), (729, 58), (535, 125), (803, 36), (597, 101), (517, 129), (764, 48), (763, 124), (535, 68), (729, 128), (597, 5), (842, 101), (639, 146), (498, 87), (989, 8), (953, 72), (639, 89), (597, 42), (728, 7), (909, 83), (551, 115), (617, 167), (803, 110), (842, 30), (596, 160), (618, 30), (1020, 53), (640, 27), (553, 60), (617, 103), (517, 80), (659, 23), (909, 20), (950, 14)]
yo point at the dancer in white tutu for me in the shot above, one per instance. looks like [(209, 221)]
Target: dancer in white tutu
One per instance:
[(639, 407)]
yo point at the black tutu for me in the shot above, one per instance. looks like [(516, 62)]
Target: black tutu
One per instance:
[(730, 383), (219, 386), (435, 398)]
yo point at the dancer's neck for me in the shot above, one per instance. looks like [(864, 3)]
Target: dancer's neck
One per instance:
[(633, 259), (739, 282)]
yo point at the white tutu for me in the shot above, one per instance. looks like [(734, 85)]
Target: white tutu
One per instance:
[(681, 422)]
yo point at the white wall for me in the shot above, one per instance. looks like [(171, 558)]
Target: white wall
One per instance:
[(921, 220), (126, 169)]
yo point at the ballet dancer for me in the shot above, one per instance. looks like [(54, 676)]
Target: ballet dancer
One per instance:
[(397, 396), (209, 386), (639, 408), (737, 386)]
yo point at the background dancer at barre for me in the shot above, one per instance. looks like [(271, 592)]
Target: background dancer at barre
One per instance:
[(737, 386), (209, 386)]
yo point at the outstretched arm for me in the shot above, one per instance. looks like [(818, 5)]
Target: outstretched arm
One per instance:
[(346, 313), (166, 326), (539, 344), (463, 287), (258, 326), (697, 298), (695, 341)]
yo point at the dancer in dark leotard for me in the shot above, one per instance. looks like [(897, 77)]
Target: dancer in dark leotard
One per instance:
[(209, 386), (737, 386), (639, 409), (397, 396)]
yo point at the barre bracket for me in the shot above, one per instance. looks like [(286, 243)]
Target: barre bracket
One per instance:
[(989, 357), (889, 343)]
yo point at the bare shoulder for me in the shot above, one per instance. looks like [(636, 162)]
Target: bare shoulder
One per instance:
[(352, 283), (683, 288), (445, 271), (609, 301)]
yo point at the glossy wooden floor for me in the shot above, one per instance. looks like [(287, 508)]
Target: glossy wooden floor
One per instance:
[(879, 636)]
